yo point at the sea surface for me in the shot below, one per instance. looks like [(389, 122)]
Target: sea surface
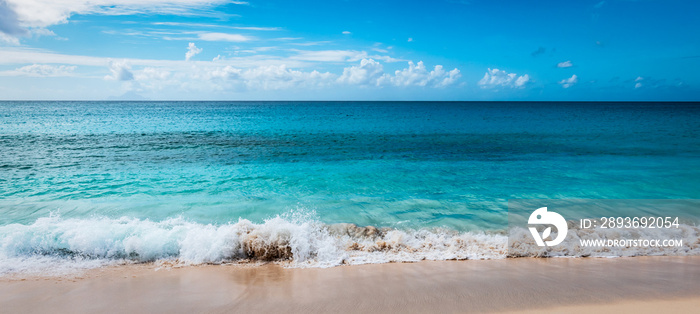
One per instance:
[(315, 184)]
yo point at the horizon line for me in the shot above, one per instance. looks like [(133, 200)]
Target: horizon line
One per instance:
[(444, 101)]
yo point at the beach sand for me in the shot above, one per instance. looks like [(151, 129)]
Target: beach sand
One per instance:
[(614, 285)]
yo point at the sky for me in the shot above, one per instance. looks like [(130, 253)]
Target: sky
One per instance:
[(350, 50)]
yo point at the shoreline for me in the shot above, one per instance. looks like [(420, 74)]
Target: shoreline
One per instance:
[(600, 284)]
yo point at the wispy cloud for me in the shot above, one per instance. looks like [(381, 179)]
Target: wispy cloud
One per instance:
[(337, 56), (184, 35), (223, 37), (330, 55), (566, 83), (57, 12), (650, 83), (257, 49), (204, 25), (377, 47), (565, 64), (287, 38), (42, 70), (256, 28), (307, 43), (31, 56), (18, 16)]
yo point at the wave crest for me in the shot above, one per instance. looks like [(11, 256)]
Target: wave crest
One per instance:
[(292, 241)]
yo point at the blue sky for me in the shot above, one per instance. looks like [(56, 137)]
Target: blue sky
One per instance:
[(349, 50)]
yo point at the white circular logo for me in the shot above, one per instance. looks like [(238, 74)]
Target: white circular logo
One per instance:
[(542, 217)]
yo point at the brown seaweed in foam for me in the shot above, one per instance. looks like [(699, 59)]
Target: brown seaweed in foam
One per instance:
[(267, 247)]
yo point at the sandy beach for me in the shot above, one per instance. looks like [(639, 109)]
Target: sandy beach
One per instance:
[(641, 284)]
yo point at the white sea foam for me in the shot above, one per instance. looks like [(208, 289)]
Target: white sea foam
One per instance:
[(55, 245), (521, 243), (295, 241)]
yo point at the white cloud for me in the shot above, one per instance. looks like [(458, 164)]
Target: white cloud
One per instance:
[(154, 79), (31, 14), (9, 22), (190, 35), (227, 72), (255, 50), (410, 39), (565, 64), (205, 25), (498, 78), (41, 70), (24, 56), (306, 44), (120, 71), (522, 80), (9, 39), (346, 33), (150, 73), (338, 56), (257, 72), (256, 28), (29, 56), (566, 83), (369, 72), (223, 37), (192, 51), (273, 77), (280, 77), (418, 75), (638, 81), (330, 55)]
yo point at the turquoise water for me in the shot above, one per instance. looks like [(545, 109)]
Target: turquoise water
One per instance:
[(408, 166)]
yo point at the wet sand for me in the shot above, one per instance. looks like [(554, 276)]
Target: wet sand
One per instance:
[(640, 284)]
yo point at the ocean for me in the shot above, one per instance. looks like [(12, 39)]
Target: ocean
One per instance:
[(316, 184)]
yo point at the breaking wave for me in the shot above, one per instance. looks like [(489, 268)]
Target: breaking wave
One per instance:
[(292, 240), (54, 245)]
